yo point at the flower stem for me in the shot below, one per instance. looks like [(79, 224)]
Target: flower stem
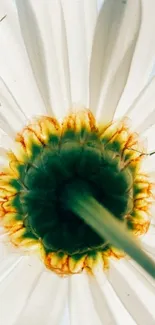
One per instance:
[(108, 227)]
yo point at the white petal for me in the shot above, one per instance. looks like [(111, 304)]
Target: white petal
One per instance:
[(143, 107), (3, 152), (60, 43), (65, 317), (90, 12), (149, 238), (7, 143), (143, 58), (148, 165), (113, 87), (35, 47), (7, 266), (115, 306), (109, 11), (7, 251), (140, 272), (49, 56), (149, 122), (149, 135), (76, 19), (14, 64), (10, 109), (81, 306), (3, 250), (150, 250), (46, 301), (135, 292), (113, 47), (6, 127), (153, 215), (16, 287), (100, 303)]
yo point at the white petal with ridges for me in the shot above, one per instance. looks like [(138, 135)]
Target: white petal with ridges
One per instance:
[(143, 106), (149, 135), (6, 127), (10, 109), (15, 68), (133, 293), (117, 309), (16, 288), (7, 266), (149, 122), (113, 87), (150, 250), (3, 250), (81, 305), (60, 43), (108, 13), (46, 301), (90, 11), (7, 250), (112, 53), (148, 165), (35, 48), (143, 58), (141, 272), (149, 238), (51, 63), (74, 16), (100, 303)]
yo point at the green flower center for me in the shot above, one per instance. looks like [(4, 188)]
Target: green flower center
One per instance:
[(54, 168), (53, 171)]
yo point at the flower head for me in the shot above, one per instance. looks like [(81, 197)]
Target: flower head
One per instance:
[(49, 159), (73, 83)]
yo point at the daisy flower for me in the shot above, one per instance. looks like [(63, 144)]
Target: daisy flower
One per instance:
[(77, 163)]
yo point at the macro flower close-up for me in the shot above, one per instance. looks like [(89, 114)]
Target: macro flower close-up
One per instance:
[(77, 162)]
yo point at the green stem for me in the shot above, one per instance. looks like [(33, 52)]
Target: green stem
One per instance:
[(108, 227)]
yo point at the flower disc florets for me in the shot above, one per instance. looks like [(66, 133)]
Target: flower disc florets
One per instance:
[(48, 158)]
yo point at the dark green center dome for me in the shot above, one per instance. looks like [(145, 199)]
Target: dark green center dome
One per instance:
[(52, 161), (52, 170)]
